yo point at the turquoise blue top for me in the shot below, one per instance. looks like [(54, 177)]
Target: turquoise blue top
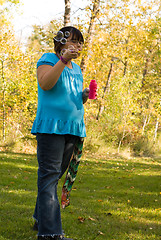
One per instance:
[(60, 110)]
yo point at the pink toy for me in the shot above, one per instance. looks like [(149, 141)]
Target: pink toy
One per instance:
[(92, 89)]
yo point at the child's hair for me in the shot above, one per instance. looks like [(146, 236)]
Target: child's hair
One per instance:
[(76, 35)]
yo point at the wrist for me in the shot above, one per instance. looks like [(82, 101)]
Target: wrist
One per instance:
[(63, 60)]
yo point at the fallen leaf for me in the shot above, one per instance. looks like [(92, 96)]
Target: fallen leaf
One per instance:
[(101, 233), (92, 219), (81, 219)]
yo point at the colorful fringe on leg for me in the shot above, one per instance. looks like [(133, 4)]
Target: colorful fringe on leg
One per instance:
[(71, 173)]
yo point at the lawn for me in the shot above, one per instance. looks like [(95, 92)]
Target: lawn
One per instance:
[(112, 198)]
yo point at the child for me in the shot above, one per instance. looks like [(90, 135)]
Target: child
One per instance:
[(58, 126)]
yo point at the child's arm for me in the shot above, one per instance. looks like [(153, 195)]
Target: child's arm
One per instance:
[(48, 75)]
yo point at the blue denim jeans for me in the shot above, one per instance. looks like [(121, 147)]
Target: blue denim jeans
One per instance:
[(53, 153)]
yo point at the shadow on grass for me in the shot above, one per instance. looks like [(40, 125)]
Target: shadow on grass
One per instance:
[(18, 193), (111, 199)]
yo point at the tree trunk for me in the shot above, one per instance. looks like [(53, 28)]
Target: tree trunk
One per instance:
[(144, 125), (90, 33), (146, 122), (145, 72), (125, 67), (107, 87), (67, 13), (156, 129), (125, 63), (3, 104)]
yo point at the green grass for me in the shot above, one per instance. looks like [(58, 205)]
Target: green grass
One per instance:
[(112, 198)]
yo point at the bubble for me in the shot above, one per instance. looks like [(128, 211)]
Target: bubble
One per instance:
[(59, 36), (71, 48), (63, 40), (67, 34), (62, 52)]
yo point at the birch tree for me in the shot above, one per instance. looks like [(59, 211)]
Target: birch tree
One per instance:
[(90, 33), (67, 12)]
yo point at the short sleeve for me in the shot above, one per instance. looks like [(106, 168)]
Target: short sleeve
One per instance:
[(47, 59)]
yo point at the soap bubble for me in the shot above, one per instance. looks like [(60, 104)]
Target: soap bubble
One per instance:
[(71, 48), (67, 34), (59, 36), (63, 40), (62, 52)]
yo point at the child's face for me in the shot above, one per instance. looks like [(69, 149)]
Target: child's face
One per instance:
[(73, 44)]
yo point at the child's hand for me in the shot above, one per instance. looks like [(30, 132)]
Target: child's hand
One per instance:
[(69, 54), (85, 94)]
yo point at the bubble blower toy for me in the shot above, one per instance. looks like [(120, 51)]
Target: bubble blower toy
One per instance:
[(93, 89)]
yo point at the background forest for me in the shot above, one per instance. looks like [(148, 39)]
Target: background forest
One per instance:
[(122, 52)]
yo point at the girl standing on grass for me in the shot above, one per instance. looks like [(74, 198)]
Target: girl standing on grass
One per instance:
[(58, 125)]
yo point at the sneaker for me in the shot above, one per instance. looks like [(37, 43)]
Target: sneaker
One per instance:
[(62, 238), (53, 238)]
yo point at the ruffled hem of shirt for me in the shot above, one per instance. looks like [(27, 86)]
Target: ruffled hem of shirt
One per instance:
[(50, 126)]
